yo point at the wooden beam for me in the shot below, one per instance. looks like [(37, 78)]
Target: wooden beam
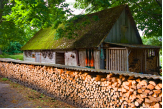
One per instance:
[(107, 59), (120, 53), (117, 48), (127, 66), (122, 61), (145, 59), (118, 59), (111, 52), (115, 52)]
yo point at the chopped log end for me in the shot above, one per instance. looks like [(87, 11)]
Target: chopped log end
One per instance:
[(137, 103), (153, 83), (150, 86), (157, 105)]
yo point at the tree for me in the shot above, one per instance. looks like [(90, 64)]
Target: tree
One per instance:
[(20, 19)]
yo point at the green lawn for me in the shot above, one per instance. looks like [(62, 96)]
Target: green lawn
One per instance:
[(17, 56)]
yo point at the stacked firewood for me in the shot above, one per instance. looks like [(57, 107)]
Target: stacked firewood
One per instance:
[(151, 63), (136, 68), (87, 89)]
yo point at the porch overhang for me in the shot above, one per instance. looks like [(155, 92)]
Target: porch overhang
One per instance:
[(133, 45)]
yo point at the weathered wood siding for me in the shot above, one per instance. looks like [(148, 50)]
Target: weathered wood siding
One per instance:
[(31, 59), (82, 56), (70, 58), (37, 57), (47, 60), (122, 31), (97, 59)]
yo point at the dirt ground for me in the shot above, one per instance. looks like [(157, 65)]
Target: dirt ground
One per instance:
[(13, 95)]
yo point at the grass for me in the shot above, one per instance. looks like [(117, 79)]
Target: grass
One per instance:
[(4, 79), (16, 56)]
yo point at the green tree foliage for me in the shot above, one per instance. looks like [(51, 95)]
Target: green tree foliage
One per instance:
[(155, 40), (13, 48), (20, 19)]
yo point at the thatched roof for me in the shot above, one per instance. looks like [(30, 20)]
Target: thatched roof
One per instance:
[(89, 36)]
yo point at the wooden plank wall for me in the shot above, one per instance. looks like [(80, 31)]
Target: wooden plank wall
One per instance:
[(28, 58), (70, 58), (47, 60), (115, 34), (82, 56), (116, 59), (37, 57)]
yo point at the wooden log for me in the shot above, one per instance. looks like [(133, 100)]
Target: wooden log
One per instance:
[(157, 105), (157, 91), (150, 86), (160, 85), (137, 103), (147, 100), (132, 97)]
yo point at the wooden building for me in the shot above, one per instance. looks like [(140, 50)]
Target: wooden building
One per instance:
[(112, 42)]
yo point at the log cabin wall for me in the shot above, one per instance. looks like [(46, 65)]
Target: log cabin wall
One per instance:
[(86, 89)]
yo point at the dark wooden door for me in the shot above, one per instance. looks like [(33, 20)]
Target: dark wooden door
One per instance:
[(60, 58)]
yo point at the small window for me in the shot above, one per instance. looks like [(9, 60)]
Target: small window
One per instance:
[(60, 58), (33, 55), (151, 53)]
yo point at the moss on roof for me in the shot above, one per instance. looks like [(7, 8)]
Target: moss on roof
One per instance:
[(89, 36)]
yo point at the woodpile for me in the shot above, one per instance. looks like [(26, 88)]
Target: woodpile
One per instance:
[(86, 89), (151, 64)]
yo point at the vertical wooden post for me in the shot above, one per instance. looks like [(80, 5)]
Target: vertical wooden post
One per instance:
[(145, 59), (118, 59), (120, 53), (111, 60), (141, 60), (107, 59), (122, 60), (158, 60), (115, 59), (127, 66)]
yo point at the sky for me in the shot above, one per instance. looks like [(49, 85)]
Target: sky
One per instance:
[(76, 11), (79, 11)]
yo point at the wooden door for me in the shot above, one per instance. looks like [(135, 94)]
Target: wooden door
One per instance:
[(117, 59), (60, 58)]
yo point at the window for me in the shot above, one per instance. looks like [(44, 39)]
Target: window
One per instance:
[(151, 53), (33, 55), (60, 58)]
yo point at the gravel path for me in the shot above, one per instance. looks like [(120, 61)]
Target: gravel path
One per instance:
[(13, 95)]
